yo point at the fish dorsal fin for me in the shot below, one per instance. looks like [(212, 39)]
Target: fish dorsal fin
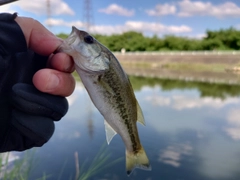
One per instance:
[(140, 117), (110, 132)]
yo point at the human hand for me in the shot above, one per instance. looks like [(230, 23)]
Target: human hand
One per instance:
[(58, 80), (27, 114)]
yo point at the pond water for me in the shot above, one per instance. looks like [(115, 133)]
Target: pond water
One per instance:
[(192, 132)]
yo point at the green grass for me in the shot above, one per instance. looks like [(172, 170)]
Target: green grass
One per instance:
[(98, 164), (76, 76), (136, 64), (195, 67), (22, 168), (178, 66)]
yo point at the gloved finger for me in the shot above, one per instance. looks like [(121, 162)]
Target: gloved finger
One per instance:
[(28, 99), (27, 131), (54, 82), (61, 62)]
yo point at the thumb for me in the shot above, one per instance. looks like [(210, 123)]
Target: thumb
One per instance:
[(38, 38)]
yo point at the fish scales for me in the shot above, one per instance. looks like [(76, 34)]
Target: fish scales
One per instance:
[(119, 105), (111, 92), (124, 106)]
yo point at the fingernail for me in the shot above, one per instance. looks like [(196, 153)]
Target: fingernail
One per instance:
[(69, 65), (69, 68), (53, 82)]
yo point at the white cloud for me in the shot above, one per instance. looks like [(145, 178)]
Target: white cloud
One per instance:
[(61, 22), (140, 26), (192, 8), (156, 27), (58, 7), (161, 10), (107, 29), (118, 10), (7, 8), (187, 8)]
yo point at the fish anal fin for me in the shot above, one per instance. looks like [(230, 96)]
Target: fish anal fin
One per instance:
[(110, 132), (139, 160), (140, 117)]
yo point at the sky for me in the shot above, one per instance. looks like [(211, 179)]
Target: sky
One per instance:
[(189, 18)]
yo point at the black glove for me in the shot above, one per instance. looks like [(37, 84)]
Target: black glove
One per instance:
[(26, 114)]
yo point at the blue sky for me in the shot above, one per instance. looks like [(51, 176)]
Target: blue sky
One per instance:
[(183, 18)]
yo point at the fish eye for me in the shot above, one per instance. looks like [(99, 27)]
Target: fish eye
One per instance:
[(88, 39)]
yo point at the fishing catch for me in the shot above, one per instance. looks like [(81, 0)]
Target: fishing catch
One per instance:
[(110, 91)]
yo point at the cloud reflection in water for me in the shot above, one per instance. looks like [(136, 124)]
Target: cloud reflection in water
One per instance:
[(173, 154), (210, 120)]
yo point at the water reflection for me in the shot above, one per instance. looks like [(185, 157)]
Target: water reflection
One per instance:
[(174, 154), (191, 101), (192, 132), (90, 122), (205, 89), (233, 127), (197, 127)]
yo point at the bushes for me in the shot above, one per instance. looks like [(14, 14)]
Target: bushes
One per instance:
[(223, 39)]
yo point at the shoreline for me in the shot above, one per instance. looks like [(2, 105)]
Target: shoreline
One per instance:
[(213, 67)]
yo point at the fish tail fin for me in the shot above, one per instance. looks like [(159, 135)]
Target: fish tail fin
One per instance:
[(138, 160)]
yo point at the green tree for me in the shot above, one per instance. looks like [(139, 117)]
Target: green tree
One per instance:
[(154, 43), (223, 39), (62, 35), (133, 41), (213, 44)]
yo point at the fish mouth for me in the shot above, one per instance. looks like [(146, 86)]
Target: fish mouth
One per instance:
[(72, 37)]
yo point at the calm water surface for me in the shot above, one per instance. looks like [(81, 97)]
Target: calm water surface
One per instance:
[(192, 132)]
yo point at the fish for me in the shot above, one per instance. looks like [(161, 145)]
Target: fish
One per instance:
[(110, 91)]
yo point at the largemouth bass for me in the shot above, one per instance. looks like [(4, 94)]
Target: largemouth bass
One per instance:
[(111, 92)]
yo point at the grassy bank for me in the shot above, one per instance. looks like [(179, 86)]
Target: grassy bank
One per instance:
[(218, 68), (178, 66)]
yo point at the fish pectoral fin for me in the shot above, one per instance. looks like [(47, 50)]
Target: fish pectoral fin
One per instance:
[(110, 132), (140, 117)]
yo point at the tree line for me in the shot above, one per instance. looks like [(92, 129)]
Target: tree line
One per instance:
[(223, 39)]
